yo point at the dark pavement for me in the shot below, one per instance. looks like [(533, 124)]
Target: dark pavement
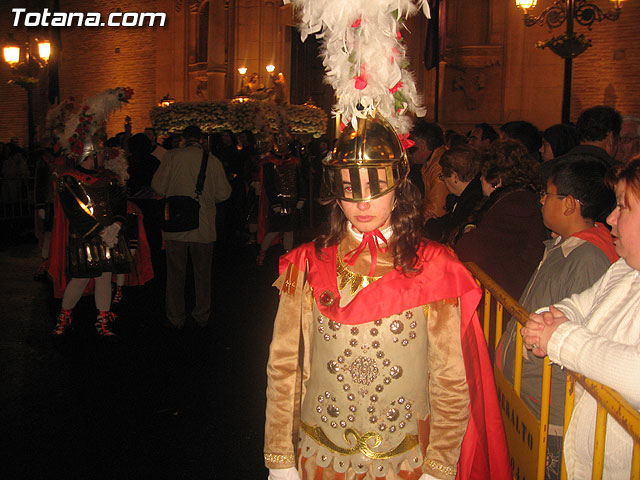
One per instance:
[(156, 404)]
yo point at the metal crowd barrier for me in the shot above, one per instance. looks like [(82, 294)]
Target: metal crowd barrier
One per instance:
[(526, 435)]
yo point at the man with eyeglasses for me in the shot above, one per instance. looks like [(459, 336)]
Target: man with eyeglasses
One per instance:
[(629, 145), (575, 202)]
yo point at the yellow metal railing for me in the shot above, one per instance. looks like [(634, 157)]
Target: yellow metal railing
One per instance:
[(526, 436)]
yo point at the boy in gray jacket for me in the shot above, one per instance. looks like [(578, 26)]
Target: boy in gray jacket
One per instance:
[(574, 203)]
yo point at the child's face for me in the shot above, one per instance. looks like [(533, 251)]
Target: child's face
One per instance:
[(368, 215), (553, 208)]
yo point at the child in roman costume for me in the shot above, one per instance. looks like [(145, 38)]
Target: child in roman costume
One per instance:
[(378, 367), (90, 211), (281, 198)]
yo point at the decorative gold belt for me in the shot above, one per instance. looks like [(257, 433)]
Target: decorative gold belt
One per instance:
[(361, 445)]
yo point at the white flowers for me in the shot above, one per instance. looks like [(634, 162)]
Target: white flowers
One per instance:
[(238, 115)]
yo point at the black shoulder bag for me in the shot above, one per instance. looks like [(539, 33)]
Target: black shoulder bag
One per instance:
[(181, 213)]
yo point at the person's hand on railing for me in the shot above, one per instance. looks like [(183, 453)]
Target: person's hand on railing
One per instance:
[(539, 328)]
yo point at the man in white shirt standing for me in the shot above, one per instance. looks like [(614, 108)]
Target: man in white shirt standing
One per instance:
[(177, 175)]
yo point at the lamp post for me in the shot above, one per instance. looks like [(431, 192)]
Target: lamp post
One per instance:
[(26, 66), (569, 45)]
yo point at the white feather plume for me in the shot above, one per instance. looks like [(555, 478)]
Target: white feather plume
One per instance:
[(116, 161), (104, 104), (64, 119), (364, 56)]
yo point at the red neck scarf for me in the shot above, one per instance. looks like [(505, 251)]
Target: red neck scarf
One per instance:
[(600, 236), (373, 240)]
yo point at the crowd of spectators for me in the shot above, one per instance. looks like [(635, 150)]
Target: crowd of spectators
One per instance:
[(532, 208), (536, 210)]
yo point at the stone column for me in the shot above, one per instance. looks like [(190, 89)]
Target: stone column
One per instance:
[(217, 54)]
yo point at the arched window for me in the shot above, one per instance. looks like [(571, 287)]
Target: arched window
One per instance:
[(202, 34)]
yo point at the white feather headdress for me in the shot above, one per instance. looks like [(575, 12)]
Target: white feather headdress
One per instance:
[(73, 124), (365, 57)]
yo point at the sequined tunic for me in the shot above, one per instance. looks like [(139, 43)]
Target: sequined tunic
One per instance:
[(362, 378), (365, 389)]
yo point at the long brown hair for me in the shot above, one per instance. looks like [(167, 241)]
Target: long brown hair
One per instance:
[(406, 220)]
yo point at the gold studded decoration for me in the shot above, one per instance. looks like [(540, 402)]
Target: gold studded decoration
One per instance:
[(333, 366), (279, 459), (289, 286), (396, 327), (345, 276), (395, 371), (363, 370), (327, 298), (441, 467), (333, 325)]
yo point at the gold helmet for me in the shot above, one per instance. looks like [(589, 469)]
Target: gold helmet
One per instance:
[(374, 147)]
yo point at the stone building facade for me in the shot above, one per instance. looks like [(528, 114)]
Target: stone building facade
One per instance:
[(491, 70)]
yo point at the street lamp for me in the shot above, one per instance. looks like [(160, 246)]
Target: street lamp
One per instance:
[(569, 45), (11, 54), (270, 69), (242, 71), (26, 69), (44, 50), (526, 4)]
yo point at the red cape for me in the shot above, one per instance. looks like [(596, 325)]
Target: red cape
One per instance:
[(484, 453), (58, 249), (141, 268)]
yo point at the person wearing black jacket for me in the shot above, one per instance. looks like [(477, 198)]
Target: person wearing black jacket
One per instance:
[(598, 130)]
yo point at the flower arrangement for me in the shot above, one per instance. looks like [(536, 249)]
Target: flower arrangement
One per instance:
[(567, 45), (238, 115)]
